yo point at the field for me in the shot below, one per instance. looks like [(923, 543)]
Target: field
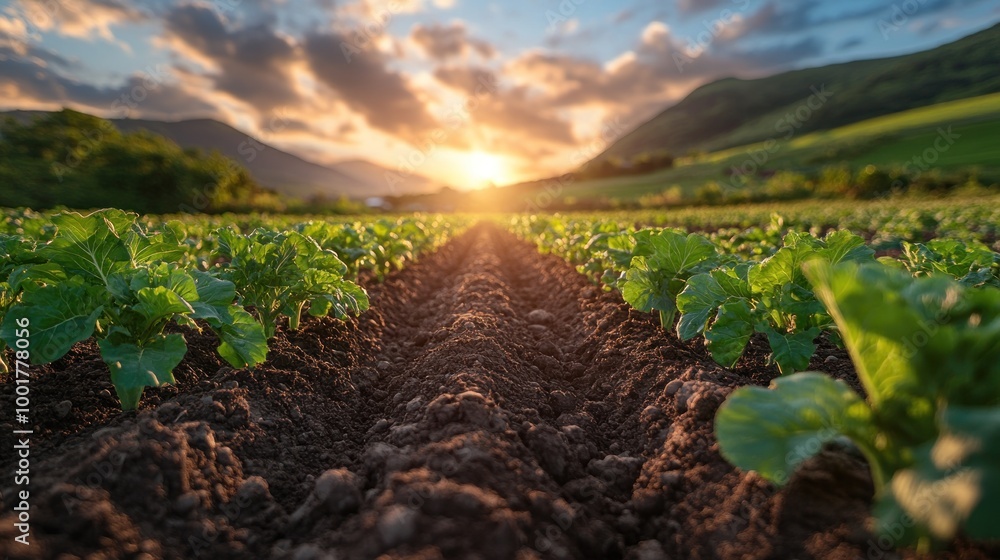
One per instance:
[(889, 141), (503, 386)]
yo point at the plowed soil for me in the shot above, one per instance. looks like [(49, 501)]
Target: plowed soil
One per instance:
[(492, 404)]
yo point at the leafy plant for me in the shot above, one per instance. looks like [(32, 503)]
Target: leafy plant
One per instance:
[(662, 261), (105, 276), (279, 273), (926, 353), (970, 262), (772, 297)]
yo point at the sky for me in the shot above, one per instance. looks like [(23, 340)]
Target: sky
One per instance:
[(465, 92)]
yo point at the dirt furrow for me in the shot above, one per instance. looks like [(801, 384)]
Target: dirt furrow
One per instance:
[(491, 404)]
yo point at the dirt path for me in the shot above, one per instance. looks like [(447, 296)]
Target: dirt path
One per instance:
[(492, 404)]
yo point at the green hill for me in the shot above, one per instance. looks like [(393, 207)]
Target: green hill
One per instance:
[(898, 140), (734, 112)]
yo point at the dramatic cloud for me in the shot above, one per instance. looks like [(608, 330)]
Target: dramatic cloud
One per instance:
[(447, 41), (365, 84), (140, 95), (532, 83), (82, 19), (252, 64), (517, 116)]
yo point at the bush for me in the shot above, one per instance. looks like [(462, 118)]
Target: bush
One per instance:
[(871, 182), (787, 185), (835, 180), (710, 193)]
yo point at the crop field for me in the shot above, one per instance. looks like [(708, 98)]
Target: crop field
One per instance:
[(809, 380)]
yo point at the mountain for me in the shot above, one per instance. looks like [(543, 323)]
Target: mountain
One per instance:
[(734, 112), (395, 183), (281, 171)]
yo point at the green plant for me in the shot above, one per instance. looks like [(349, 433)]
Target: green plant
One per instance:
[(280, 273), (926, 353), (662, 261), (771, 297), (970, 262), (105, 276)]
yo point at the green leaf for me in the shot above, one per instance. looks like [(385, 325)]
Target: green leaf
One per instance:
[(26, 277), (642, 288), (729, 334), (344, 297), (772, 431), (134, 367), (735, 281), (780, 269), (843, 246), (700, 299), (242, 339), (212, 290), (675, 253), (86, 245), (60, 316), (792, 351), (160, 303), (879, 324)]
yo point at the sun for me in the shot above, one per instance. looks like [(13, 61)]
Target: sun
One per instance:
[(482, 169)]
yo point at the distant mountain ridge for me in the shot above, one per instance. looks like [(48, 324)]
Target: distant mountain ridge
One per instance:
[(733, 112), (278, 170)]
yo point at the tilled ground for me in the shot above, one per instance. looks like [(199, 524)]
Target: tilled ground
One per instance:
[(492, 404)]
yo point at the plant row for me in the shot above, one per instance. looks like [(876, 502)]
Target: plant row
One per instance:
[(109, 277), (922, 329), (704, 286)]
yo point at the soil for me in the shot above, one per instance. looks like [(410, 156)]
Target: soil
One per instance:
[(492, 404)]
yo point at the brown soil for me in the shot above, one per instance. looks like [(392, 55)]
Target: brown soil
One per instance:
[(492, 404)]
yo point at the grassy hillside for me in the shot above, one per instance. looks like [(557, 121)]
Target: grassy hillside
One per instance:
[(891, 140), (715, 116)]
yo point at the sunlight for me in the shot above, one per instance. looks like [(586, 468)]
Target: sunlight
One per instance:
[(482, 169)]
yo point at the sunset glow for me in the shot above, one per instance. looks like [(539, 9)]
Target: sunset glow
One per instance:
[(482, 169)]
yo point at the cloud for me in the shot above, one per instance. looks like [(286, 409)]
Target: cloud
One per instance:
[(655, 33), (448, 41), (364, 83), (519, 117), (25, 82), (251, 64), (82, 19)]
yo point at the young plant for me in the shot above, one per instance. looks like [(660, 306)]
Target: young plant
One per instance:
[(971, 262), (773, 297), (105, 276), (279, 273), (662, 262), (926, 353)]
